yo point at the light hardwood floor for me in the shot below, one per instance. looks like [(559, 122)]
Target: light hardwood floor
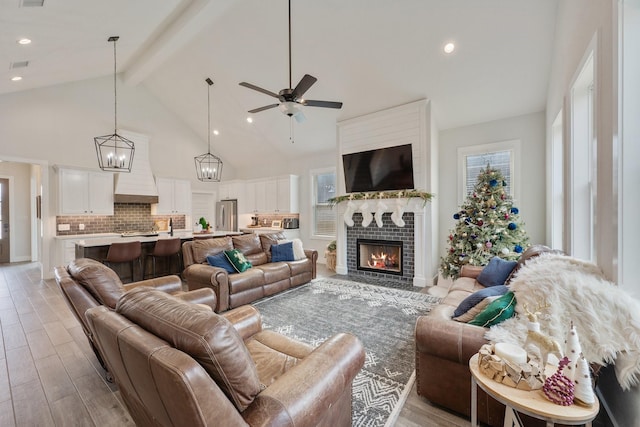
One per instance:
[(50, 377)]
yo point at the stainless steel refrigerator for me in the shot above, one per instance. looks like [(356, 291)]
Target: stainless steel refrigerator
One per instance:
[(227, 215)]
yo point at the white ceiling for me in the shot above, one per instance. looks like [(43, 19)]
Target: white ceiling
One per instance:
[(369, 54)]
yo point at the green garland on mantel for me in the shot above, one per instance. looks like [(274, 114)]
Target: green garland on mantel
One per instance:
[(409, 194)]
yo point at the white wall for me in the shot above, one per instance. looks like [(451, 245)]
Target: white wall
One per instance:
[(530, 130)]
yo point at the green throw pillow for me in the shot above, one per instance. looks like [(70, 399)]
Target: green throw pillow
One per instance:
[(497, 311), (238, 260)]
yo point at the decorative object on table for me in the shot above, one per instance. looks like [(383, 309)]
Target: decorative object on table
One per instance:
[(487, 225), (573, 351), (504, 363), (539, 344), (583, 392), (115, 152), (208, 166), (203, 223), (558, 388)]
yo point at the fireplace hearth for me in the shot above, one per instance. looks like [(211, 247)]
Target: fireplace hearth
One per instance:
[(384, 256)]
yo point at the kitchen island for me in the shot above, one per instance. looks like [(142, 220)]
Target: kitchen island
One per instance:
[(97, 248)]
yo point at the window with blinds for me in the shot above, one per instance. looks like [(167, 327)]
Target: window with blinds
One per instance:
[(324, 216), (500, 160)]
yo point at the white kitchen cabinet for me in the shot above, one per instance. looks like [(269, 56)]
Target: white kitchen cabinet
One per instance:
[(272, 195), (287, 194), (85, 192), (174, 197), (231, 190)]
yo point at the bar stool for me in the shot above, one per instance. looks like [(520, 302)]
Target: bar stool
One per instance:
[(125, 252), (164, 248)]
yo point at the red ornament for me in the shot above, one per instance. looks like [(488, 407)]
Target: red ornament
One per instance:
[(450, 236), (480, 222), (502, 196), (506, 216)]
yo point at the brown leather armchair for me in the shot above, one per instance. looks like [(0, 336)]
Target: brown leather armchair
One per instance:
[(178, 364), (86, 283)]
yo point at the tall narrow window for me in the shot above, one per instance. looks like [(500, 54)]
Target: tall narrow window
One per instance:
[(324, 215), (556, 185), (504, 156)]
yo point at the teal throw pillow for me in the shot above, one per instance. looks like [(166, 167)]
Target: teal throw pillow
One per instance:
[(282, 252), (475, 298), (498, 311), (496, 272), (238, 260), (220, 260)]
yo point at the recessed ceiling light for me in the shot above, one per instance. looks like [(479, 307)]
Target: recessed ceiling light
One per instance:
[(250, 119), (449, 47), (215, 132), (16, 78), (24, 41)]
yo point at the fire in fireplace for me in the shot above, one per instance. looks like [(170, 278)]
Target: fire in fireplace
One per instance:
[(384, 256)]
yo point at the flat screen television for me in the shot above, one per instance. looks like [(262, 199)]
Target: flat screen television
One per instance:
[(383, 169)]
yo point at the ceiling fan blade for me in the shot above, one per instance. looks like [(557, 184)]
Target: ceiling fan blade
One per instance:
[(266, 107), (304, 85), (325, 104), (259, 89)]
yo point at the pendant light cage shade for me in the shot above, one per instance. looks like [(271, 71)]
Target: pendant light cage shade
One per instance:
[(208, 166), (115, 152)]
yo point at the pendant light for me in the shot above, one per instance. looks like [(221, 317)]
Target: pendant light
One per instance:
[(115, 152), (208, 166)]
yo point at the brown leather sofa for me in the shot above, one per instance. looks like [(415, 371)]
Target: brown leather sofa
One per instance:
[(263, 279), (86, 283), (444, 347), (177, 364)]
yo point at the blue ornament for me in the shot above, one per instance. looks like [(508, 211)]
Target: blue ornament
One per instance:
[(493, 182), (456, 216), (515, 211), (518, 249), (512, 226)]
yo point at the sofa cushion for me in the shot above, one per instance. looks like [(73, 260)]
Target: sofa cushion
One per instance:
[(496, 272), (475, 310), (221, 261), (268, 239), (102, 282), (201, 249), (478, 296), (248, 244), (238, 260), (298, 249), (499, 310), (282, 252), (204, 335)]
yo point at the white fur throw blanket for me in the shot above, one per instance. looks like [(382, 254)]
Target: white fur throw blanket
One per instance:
[(606, 318)]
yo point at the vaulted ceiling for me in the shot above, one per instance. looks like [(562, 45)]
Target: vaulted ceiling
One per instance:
[(369, 54)]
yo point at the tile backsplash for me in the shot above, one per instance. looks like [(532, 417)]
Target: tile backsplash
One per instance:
[(126, 217)]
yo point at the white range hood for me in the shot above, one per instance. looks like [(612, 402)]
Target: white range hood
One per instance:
[(137, 186)]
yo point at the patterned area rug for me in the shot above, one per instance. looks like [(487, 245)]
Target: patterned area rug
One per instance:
[(382, 318)]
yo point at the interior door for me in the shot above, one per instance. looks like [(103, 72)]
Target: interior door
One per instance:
[(4, 220)]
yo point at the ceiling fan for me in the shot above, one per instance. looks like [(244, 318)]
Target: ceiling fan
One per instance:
[(291, 100)]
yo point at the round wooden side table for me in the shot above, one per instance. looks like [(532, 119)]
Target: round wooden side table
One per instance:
[(532, 403)]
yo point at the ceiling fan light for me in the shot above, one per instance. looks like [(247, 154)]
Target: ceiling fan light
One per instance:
[(290, 108)]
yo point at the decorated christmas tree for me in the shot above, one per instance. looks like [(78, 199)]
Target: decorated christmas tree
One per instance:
[(487, 225)]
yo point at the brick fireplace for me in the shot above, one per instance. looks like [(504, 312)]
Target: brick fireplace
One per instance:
[(381, 252)]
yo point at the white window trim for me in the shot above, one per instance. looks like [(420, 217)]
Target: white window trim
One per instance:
[(511, 145), (312, 174)]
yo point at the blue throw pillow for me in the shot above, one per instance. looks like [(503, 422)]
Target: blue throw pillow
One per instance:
[(282, 252), (220, 260), (496, 272), (472, 300)]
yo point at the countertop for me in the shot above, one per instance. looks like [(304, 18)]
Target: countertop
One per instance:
[(105, 239)]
